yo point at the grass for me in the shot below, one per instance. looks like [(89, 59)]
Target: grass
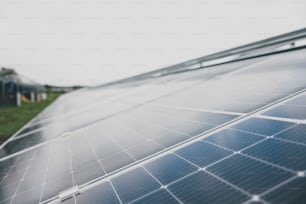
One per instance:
[(12, 118)]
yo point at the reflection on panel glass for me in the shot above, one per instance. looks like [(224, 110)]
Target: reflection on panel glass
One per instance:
[(251, 175), (96, 132)]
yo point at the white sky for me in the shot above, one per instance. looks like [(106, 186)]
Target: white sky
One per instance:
[(88, 42)]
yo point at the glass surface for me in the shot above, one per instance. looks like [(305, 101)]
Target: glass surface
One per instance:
[(101, 194), (253, 176), (169, 168), (288, 111), (296, 134), (203, 188), (289, 155), (292, 192), (233, 139), (263, 126), (134, 184), (202, 153), (94, 131), (299, 101), (160, 197)]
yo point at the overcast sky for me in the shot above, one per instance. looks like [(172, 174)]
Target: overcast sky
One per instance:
[(88, 42)]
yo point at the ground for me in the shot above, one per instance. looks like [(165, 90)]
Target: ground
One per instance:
[(12, 118)]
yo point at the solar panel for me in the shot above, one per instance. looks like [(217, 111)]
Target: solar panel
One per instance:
[(231, 133)]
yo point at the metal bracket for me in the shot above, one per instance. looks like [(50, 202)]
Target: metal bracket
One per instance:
[(68, 193)]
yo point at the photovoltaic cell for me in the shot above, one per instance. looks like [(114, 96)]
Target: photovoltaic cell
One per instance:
[(202, 154), (134, 184), (296, 134), (87, 172), (160, 197), (233, 139), (288, 111), (253, 176), (116, 161), (101, 194), (286, 154), (95, 131), (292, 192), (169, 168), (262, 126), (143, 149), (203, 188)]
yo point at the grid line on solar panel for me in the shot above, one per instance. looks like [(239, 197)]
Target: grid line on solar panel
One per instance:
[(195, 123), (292, 191), (289, 109), (282, 153), (169, 168), (262, 126), (22, 178), (116, 193), (45, 176), (159, 196), (278, 186), (279, 135), (251, 175), (103, 193), (205, 187), (162, 186), (186, 176), (241, 152), (290, 120), (214, 175), (295, 134), (234, 139), (298, 101), (133, 184)]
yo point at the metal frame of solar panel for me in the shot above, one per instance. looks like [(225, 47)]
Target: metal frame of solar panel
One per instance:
[(172, 136)]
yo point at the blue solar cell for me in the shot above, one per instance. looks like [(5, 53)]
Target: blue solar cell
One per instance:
[(251, 175), (203, 188), (291, 192), (160, 197), (289, 155), (263, 126), (296, 134), (233, 139), (100, 194), (288, 111), (169, 168), (134, 184), (203, 154)]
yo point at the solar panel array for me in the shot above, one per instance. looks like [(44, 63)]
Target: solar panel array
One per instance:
[(232, 133)]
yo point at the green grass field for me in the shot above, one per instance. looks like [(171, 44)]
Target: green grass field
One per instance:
[(12, 118)]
